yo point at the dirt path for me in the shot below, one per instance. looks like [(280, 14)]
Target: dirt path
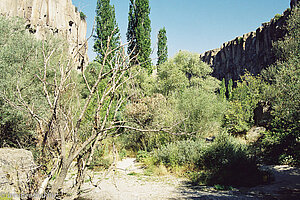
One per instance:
[(128, 182)]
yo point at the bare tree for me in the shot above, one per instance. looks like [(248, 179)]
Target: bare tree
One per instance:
[(68, 124), (59, 125), (61, 115)]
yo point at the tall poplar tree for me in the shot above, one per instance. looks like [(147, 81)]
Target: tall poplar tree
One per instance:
[(138, 33), (106, 26), (162, 51), (230, 86), (223, 89)]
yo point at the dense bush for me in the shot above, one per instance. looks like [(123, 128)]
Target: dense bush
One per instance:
[(185, 70), (15, 129), (180, 153), (18, 50), (182, 97), (203, 111), (187, 82), (148, 113), (239, 117), (278, 86), (228, 162), (225, 161), (281, 143)]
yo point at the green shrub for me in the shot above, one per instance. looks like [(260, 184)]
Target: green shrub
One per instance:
[(102, 158), (82, 16), (202, 110), (151, 112), (180, 153), (5, 196), (182, 96), (277, 17), (18, 50), (281, 142), (239, 117), (280, 147), (184, 71), (228, 162), (141, 155)]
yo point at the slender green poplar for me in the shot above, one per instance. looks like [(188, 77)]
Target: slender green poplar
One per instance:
[(162, 52), (138, 33), (107, 30)]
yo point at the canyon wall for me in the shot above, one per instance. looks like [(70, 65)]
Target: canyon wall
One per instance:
[(55, 17), (251, 52)]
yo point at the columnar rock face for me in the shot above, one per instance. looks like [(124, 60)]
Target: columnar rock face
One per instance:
[(54, 16), (251, 52), (294, 3)]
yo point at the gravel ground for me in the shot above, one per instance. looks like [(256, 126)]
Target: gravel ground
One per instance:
[(128, 182)]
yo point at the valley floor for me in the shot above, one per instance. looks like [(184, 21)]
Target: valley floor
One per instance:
[(128, 182)]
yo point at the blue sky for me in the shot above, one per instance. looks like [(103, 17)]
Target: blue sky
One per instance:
[(193, 25)]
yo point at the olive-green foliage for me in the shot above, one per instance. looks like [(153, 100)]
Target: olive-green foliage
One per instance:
[(148, 113), (103, 156), (180, 153), (245, 97), (17, 51), (182, 96), (279, 87), (277, 17), (142, 85), (91, 73), (82, 15), (183, 71), (289, 48), (22, 63), (4, 196), (229, 89), (15, 129), (201, 111), (138, 33), (281, 142)]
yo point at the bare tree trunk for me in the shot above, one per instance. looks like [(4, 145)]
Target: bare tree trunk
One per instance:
[(59, 181)]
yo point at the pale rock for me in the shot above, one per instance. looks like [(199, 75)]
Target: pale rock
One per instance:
[(52, 16), (16, 169)]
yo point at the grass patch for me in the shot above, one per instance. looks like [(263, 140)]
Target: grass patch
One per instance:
[(132, 174), (223, 187)]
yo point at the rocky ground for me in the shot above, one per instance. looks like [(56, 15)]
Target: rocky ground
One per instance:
[(128, 181)]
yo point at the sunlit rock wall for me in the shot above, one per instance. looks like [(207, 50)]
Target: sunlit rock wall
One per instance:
[(54, 16)]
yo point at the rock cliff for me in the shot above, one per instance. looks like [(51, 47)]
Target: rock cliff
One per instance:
[(251, 52), (54, 16)]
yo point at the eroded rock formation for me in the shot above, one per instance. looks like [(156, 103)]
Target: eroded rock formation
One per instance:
[(16, 170), (54, 16), (251, 52)]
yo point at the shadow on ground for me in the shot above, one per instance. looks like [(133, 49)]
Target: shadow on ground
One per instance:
[(285, 186)]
